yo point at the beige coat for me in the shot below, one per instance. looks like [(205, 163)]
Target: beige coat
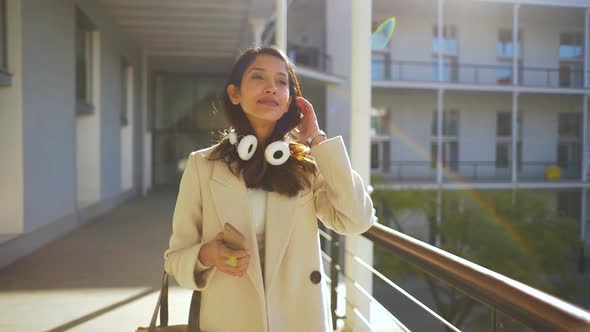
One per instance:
[(294, 296)]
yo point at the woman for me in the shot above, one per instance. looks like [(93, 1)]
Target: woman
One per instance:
[(272, 191)]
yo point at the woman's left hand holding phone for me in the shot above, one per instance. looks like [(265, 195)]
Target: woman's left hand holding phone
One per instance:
[(216, 253)]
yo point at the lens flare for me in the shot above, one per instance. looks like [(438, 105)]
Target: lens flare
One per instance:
[(382, 35)]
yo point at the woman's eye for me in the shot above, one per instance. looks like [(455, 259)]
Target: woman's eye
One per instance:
[(256, 76), (283, 82)]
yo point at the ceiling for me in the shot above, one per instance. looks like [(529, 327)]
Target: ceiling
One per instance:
[(199, 31)]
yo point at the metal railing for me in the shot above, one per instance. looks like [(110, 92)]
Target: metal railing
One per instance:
[(469, 73), (504, 296), (310, 56), (425, 171)]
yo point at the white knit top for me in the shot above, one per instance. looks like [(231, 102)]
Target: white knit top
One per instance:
[(258, 209)]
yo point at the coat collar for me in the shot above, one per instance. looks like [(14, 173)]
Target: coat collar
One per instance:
[(232, 204)]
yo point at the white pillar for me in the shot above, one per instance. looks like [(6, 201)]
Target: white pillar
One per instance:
[(583, 219), (146, 135), (257, 30), (584, 138), (515, 135), (11, 131), (360, 81), (515, 54), (281, 24), (440, 25), (586, 46), (439, 135)]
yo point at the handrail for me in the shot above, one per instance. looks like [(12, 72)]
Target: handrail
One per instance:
[(532, 307)]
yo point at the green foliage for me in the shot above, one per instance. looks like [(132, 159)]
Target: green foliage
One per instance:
[(516, 234)]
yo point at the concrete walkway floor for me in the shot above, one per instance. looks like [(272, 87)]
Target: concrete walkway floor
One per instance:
[(103, 276)]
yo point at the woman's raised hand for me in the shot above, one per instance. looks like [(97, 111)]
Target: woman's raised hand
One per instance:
[(309, 121), (232, 262)]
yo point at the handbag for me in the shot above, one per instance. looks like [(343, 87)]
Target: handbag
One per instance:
[(162, 308)]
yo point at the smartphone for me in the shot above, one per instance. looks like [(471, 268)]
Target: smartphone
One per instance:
[(232, 238)]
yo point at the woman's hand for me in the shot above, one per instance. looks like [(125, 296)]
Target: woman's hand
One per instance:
[(309, 121), (232, 262)]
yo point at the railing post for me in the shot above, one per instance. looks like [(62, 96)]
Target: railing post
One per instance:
[(335, 251), (494, 320)]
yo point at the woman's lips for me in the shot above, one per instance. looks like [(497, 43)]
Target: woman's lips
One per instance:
[(267, 102)]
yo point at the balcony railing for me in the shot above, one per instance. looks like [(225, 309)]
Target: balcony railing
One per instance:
[(506, 300), (482, 171), (465, 73), (310, 56)]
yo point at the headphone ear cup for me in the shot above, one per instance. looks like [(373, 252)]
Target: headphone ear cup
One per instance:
[(277, 153), (247, 147)]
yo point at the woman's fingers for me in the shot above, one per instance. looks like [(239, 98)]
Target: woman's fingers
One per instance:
[(227, 253)]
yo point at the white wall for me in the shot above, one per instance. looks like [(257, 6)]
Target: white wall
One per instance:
[(11, 131)]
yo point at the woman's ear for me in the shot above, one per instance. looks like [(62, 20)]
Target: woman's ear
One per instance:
[(233, 93)]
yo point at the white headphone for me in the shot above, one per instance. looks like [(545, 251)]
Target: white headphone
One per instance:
[(276, 153)]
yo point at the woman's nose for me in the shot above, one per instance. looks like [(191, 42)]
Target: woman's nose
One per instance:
[(271, 88)]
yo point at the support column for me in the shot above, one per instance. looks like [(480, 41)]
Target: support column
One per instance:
[(257, 30), (439, 136), (585, 138), (146, 135), (515, 135), (586, 47), (582, 266), (360, 101), (515, 54), (281, 24), (440, 25)]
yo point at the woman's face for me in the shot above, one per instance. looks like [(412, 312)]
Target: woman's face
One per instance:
[(264, 91)]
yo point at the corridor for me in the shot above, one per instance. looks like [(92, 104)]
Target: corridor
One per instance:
[(103, 276)]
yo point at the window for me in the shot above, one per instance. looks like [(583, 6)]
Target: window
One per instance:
[(380, 139), (450, 145), (450, 52), (571, 59), (84, 29), (4, 75), (570, 125), (380, 152), (380, 122), (124, 92), (571, 45), (450, 123), (380, 64), (504, 140), (505, 49), (449, 40), (569, 147)]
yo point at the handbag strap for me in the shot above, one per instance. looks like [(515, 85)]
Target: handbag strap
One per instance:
[(162, 307)]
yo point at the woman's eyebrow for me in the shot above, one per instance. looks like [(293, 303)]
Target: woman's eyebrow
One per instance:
[(262, 69)]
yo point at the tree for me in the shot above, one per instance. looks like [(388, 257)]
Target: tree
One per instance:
[(522, 238)]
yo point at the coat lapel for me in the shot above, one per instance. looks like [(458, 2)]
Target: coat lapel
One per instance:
[(232, 206)]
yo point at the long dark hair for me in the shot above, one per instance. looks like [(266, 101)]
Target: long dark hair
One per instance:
[(287, 179)]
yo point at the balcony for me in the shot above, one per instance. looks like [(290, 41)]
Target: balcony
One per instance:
[(562, 77), (475, 171), (310, 56)]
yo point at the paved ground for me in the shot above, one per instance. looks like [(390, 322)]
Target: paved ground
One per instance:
[(104, 276)]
